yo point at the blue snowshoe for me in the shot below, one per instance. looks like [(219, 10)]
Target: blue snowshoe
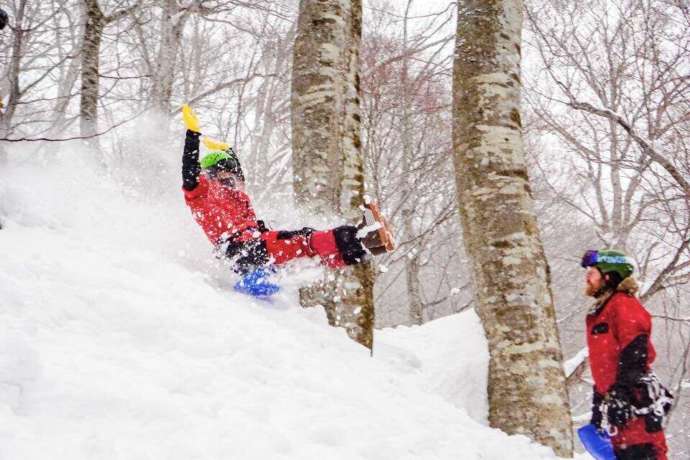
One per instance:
[(256, 283), (597, 443)]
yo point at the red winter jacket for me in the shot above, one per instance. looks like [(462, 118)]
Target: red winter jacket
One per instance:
[(618, 338), (220, 211), (620, 352)]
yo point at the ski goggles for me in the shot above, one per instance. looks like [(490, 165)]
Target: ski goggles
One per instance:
[(229, 164), (592, 257)]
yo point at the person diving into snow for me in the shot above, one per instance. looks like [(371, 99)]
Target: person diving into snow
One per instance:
[(214, 191)]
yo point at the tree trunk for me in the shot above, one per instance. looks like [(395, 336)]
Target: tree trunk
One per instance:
[(15, 68), (172, 23), (327, 161), (527, 392), (90, 68), (96, 21), (414, 288), (7, 115), (65, 89)]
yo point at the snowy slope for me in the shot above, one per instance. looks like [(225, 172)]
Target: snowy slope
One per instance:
[(121, 339)]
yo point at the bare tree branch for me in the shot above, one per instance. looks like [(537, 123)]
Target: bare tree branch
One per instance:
[(644, 144), (72, 138)]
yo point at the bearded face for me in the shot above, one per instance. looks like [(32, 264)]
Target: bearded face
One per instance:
[(593, 281)]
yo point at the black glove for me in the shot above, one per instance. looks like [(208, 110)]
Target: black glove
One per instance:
[(619, 401), (597, 398)]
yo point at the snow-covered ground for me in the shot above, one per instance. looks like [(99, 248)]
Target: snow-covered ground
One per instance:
[(120, 338)]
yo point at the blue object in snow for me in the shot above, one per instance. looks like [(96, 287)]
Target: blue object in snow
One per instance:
[(256, 284), (597, 443)]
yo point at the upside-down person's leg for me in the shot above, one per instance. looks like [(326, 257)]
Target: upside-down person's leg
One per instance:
[(285, 245), (336, 248)]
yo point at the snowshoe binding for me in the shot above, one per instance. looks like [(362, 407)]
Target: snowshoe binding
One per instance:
[(375, 232)]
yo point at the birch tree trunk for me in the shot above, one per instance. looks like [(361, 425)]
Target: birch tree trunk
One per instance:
[(12, 84), (527, 391), (90, 68), (327, 161), (173, 20), (95, 22), (66, 82), (414, 287)]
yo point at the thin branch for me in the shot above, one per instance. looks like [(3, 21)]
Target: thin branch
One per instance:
[(74, 138), (223, 86), (642, 142), (671, 318)]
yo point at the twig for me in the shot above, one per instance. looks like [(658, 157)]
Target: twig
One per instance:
[(642, 142), (671, 318), (73, 138), (223, 86)]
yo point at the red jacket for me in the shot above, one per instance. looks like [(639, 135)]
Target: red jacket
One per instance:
[(613, 330), (220, 211), (620, 351)]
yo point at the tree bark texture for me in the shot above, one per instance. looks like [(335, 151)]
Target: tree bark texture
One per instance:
[(14, 70), (173, 20), (12, 83), (95, 23), (527, 390), (90, 67), (65, 88), (327, 160), (412, 269)]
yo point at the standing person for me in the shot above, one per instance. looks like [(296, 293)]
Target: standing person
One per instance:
[(214, 191), (628, 402)]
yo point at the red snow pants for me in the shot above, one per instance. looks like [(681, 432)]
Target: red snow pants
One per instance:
[(283, 246), (633, 441), (253, 247)]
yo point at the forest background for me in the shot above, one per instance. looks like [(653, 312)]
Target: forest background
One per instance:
[(605, 115)]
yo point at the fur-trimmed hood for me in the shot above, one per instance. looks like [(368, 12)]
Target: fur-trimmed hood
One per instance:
[(629, 286)]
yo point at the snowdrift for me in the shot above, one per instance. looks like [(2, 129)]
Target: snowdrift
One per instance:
[(120, 338)]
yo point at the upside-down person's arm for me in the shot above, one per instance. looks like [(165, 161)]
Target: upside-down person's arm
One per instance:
[(190, 161)]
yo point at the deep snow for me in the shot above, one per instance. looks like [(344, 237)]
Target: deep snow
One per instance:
[(120, 338)]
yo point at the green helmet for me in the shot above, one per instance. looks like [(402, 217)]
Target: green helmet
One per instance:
[(215, 162), (608, 261), (213, 158)]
